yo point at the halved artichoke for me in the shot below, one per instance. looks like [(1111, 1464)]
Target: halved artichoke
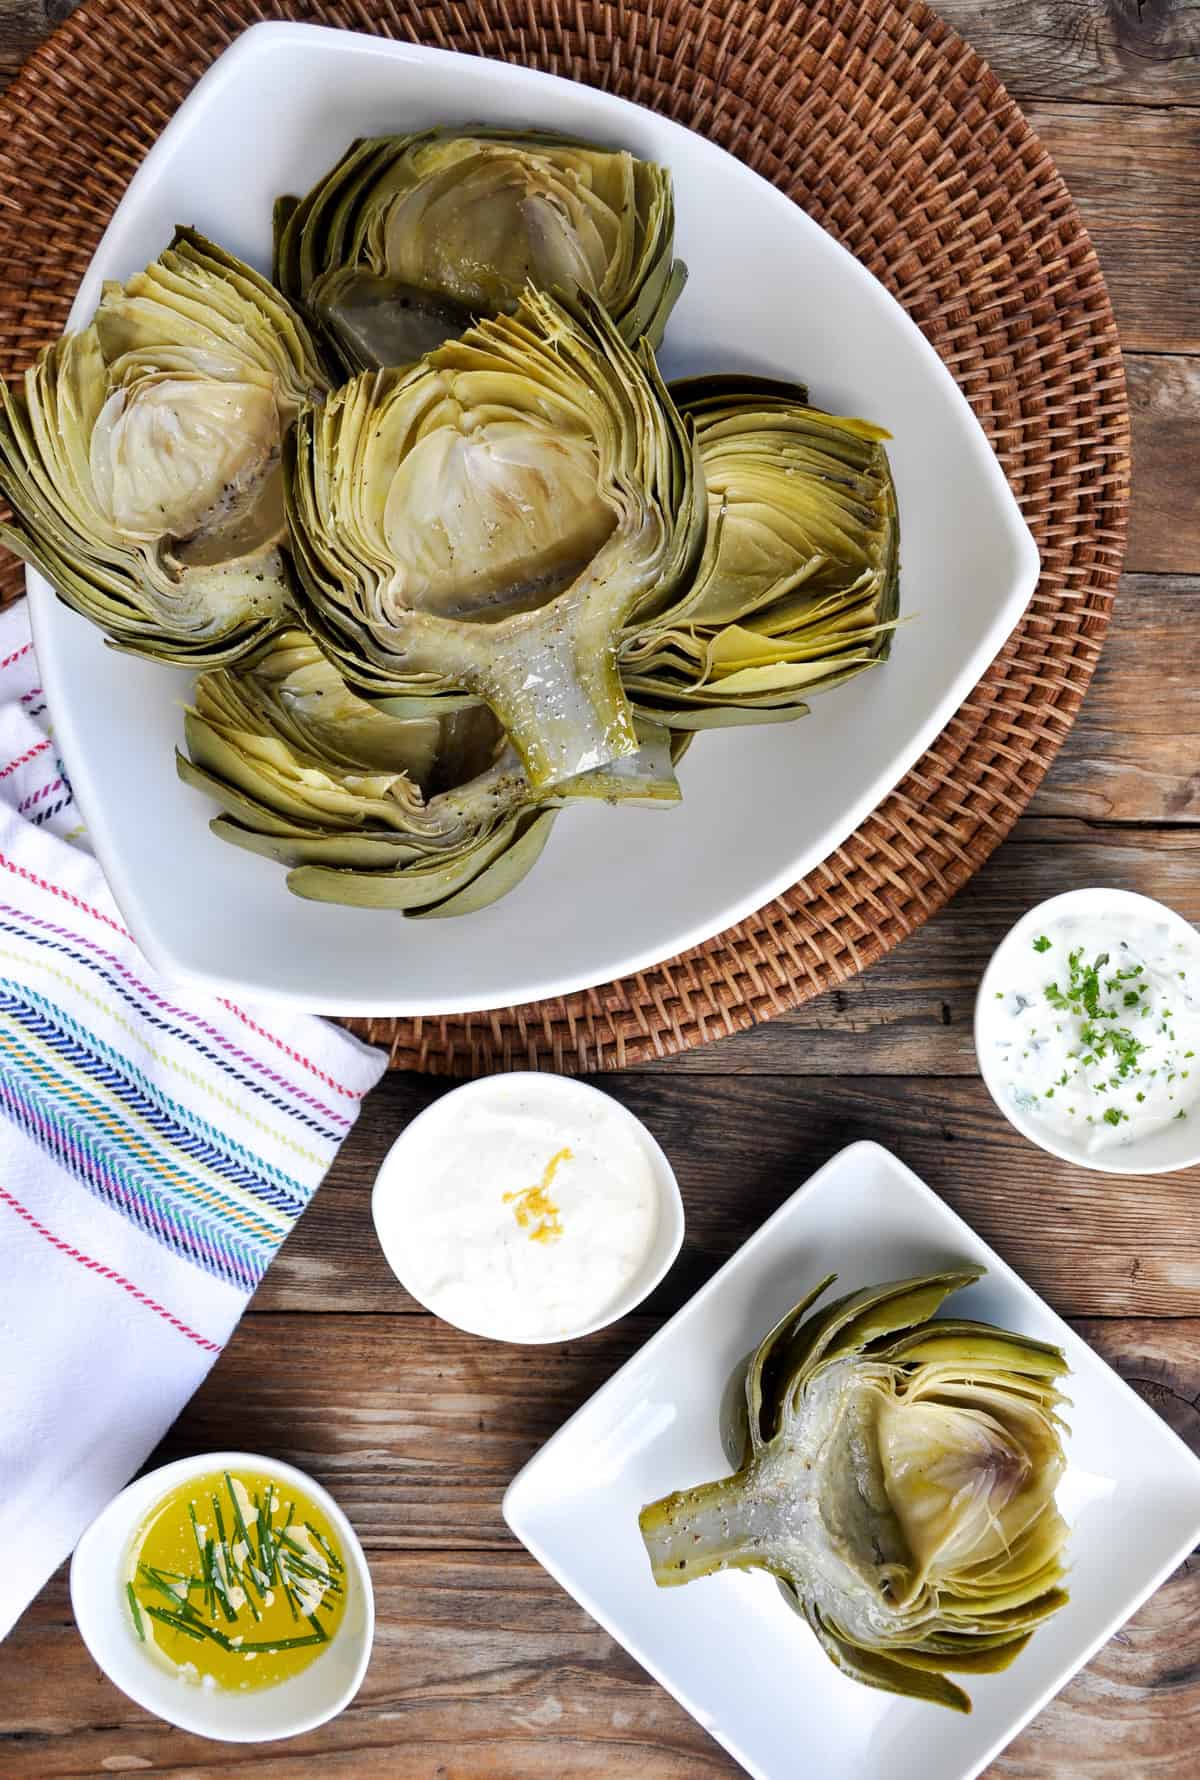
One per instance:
[(411, 238), (142, 456), (426, 810), (489, 519), (798, 589), (899, 1480)]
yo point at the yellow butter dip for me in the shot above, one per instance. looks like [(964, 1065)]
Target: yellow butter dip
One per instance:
[(235, 1581)]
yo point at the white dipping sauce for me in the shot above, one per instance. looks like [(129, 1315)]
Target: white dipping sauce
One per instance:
[(1093, 1027), (521, 1209)]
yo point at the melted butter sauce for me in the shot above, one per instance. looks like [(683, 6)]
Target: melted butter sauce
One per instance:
[(235, 1582)]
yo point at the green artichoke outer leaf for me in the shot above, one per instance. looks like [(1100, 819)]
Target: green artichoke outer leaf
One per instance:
[(409, 239), (898, 1479), (887, 1673), (367, 808), (423, 886), (502, 874), (142, 457), (797, 590), (488, 520)]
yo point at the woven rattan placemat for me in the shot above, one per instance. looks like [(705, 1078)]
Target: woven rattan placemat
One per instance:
[(894, 136)]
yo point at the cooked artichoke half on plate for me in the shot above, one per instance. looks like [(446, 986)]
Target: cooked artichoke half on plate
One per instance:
[(489, 519), (898, 1479), (411, 238), (141, 458), (426, 810), (798, 589)]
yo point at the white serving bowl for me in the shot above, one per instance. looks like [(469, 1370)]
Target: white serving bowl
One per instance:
[(617, 890), (98, 1599), (1160, 1152), (668, 1235)]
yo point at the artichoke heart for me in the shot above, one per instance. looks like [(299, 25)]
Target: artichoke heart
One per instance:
[(487, 520), (798, 587), (142, 457), (426, 810), (898, 1479), (408, 239)]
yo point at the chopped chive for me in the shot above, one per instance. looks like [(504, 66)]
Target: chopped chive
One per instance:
[(330, 1553), (133, 1608), (238, 1521), (154, 1581), (317, 1627), (221, 1539), (189, 1630), (283, 1643)]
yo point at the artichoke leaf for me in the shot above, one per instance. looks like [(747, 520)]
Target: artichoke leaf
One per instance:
[(797, 587), (417, 886), (314, 778), (501, 875)]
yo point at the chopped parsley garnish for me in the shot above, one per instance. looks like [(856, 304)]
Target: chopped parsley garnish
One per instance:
[(1041, 944), (1113, 1115)]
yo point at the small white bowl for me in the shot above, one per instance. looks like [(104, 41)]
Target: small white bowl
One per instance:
[(1160, 1152), (98, 1599), (668, 1235)]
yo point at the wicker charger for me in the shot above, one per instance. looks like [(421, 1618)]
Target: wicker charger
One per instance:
[(899, 140)]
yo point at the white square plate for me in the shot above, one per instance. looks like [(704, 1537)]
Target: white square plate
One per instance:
[(616, 890), (729, 1647)]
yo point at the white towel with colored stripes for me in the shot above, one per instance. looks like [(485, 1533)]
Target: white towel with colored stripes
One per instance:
[(156, 1146)]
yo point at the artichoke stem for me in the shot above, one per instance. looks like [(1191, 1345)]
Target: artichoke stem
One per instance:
[(559, 696), (699, 1531)]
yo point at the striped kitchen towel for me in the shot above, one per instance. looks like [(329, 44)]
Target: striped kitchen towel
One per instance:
[(156, 1146)]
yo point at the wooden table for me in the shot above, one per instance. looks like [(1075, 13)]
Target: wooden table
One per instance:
[(483, 1668)]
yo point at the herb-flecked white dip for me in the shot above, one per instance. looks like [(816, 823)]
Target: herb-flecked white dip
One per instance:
[(1094, 1027)]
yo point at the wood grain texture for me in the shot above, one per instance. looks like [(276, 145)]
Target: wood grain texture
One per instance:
[(483, 1669), (1164, 400), (1133, 754), (23, 24), (1135, 175), (1117, 52)]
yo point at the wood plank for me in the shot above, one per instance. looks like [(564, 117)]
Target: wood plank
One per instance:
[(1135, 175), (741, 1143), (483, 1667), (1133, 754), (23, 25), (1164, 402), (485, 1670), (1112, 51)]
